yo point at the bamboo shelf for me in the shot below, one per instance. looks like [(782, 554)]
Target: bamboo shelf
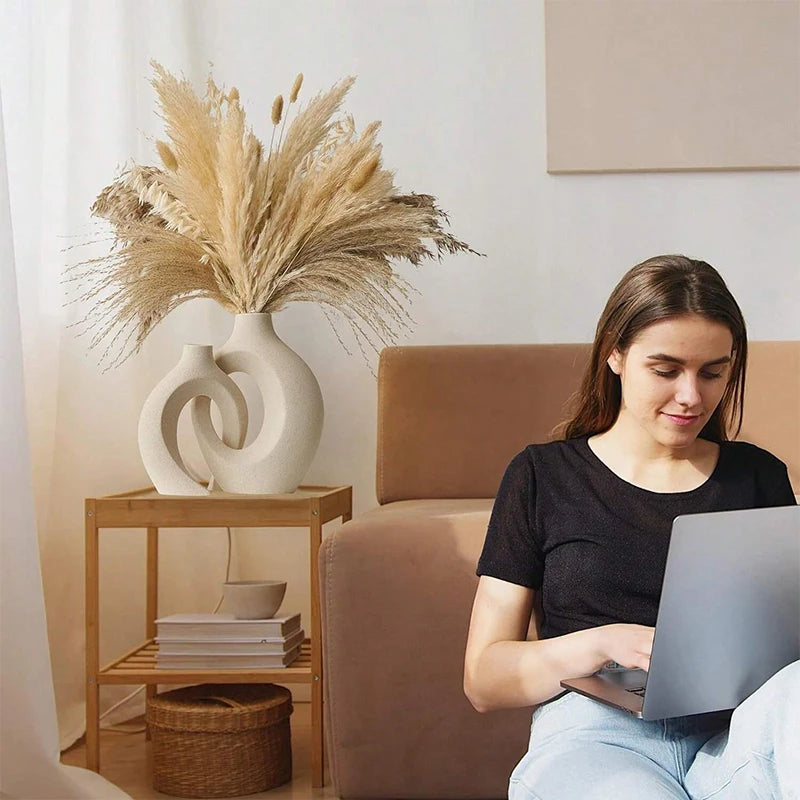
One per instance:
[(139, 666), (307, 507)]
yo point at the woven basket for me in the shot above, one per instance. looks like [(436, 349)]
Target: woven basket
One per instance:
[(220, 740)]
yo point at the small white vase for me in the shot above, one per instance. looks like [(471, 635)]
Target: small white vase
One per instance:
[(195, 374), (277, 460)]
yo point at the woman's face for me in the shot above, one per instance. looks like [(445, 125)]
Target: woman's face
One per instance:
[(673, 377)]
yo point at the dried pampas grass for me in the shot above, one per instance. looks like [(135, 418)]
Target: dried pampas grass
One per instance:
[(315, 218)]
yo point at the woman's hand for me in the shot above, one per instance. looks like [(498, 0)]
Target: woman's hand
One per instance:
[(629, 645)]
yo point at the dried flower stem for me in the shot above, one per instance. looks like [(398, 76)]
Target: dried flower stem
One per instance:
[(318, 221)]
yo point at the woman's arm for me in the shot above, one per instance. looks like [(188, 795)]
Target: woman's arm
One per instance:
[(502, 670)]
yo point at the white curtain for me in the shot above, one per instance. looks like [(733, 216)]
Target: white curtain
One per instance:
[(29, 750), (72, 81)]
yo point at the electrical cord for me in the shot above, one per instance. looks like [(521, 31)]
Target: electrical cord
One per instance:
[(227, 572), (135, 692)]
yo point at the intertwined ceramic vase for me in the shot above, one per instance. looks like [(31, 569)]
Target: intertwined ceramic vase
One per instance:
[(280, 454), (282, 451)]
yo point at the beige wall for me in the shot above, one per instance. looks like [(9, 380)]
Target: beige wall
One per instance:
[(683, 84)]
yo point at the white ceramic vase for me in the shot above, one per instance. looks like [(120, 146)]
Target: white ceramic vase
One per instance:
[(277, 460), (195, 374)]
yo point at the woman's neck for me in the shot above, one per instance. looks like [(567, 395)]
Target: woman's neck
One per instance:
[(637, 458)]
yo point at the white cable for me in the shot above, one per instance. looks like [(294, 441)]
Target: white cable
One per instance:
[(139, 689), (119, 703), (227, 572)]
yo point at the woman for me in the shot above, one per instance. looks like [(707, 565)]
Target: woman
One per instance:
[(582, 526)]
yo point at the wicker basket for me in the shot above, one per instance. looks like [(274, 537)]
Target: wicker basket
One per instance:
[(220, 740)]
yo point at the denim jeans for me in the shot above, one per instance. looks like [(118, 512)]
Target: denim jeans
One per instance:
[(580, 749)]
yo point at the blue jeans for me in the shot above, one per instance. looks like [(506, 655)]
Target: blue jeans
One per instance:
[(581, 750)]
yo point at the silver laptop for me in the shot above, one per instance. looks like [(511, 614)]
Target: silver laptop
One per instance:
[(728, 620)]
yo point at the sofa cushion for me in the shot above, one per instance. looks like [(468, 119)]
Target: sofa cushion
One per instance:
[(451, 417)]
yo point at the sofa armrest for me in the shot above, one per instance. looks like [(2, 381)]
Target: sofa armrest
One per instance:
[(397, 586)]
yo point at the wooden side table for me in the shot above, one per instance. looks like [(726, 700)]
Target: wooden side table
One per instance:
[(308, 506)]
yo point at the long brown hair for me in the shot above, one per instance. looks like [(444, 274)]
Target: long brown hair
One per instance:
[(657, 289)]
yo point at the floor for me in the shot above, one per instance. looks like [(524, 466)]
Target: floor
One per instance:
[(125, 761)]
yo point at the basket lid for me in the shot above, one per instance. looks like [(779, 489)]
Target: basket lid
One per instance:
[(217, 707)]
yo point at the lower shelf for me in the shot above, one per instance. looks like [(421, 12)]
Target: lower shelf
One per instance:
[(139, 666)]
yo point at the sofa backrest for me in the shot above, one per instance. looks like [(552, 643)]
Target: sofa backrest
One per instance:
[(451, 417)]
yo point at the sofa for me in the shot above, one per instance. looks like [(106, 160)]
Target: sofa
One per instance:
[(397, 582)]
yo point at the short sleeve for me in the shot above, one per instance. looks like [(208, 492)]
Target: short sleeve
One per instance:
[(774, 486), (511, 551)]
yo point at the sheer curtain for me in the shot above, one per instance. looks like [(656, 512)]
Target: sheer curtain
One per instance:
[(72, 85), (29, 749)]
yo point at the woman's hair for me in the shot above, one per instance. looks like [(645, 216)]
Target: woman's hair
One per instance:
[(660, 288)]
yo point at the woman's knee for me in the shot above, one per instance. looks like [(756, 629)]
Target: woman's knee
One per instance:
[(771, 710), (786, 681), (592, 772), (781, 690)]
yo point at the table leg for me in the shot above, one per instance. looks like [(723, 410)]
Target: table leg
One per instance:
[(151, 603), (92, 639), (317, 734)]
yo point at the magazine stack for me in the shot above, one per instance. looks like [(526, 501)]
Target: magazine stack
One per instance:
[(221, 641)]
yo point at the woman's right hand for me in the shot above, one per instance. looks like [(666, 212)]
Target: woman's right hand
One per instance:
[(629, 645)]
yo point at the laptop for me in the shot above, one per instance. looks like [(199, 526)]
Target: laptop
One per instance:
[(728, 620)]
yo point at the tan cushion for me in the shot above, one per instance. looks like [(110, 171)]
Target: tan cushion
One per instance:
[(772, 402), (451, 417)]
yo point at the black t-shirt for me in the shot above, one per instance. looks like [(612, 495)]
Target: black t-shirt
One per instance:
[(596, 545)]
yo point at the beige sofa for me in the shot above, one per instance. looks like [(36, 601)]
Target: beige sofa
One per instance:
[(397, 582)]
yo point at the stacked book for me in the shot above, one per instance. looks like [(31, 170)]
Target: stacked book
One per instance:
[(221, 641)]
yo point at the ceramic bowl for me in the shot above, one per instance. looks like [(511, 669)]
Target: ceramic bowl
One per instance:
[(253, 599)]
